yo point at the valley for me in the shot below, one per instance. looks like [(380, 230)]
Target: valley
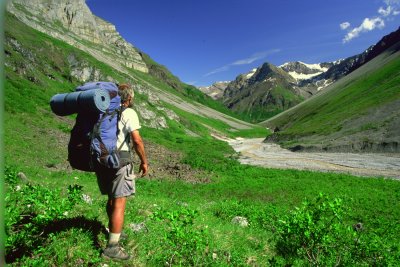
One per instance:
[(216, 194), (255, 152)]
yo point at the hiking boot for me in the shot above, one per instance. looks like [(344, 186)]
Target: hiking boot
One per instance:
[(123, 236), (115, 252)]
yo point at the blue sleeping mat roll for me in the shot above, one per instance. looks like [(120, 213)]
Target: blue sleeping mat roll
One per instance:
[(94, 101)]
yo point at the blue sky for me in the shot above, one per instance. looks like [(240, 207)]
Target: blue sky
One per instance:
[(203, 41)]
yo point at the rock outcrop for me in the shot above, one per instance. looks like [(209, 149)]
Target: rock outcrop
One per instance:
[(216, 90), (72, 22)]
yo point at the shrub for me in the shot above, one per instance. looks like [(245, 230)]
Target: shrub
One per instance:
[(319, 233), (30, 211), (312, 232)]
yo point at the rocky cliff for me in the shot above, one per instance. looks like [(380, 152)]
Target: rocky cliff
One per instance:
[(72, 21), (216, 90)]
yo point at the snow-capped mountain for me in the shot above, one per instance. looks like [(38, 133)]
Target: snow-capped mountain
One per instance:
[(305, 74), (263, 92), (268, 89), (303, 71)]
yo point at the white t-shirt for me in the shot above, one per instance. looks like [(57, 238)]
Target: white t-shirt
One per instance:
[(129, 122)]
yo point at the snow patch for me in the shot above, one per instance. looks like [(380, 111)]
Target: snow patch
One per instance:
[(314, 66), (338, 61), (251, 73), (270, 79), (325, 84), (284, 65), (302, 76)]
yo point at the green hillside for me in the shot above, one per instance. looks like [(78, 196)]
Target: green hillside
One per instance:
[(268, 92), (189, 92), (255, 110), (55, 216), (359, 112)]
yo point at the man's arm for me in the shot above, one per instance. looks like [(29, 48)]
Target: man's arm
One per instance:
[(139, 148)]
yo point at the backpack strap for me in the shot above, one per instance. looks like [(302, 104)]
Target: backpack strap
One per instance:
[(119, 113), (126, 157), (120, 110), (96, 128)]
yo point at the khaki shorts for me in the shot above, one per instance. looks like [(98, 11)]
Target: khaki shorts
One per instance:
[(116, 183)]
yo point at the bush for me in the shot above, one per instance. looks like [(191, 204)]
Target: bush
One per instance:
[(30, 213), (319, 234), (312, 232), (10, 175)]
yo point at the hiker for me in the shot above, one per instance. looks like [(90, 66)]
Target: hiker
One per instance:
[(119, 184)]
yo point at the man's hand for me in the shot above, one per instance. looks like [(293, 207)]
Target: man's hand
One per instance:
[(139, 148), (143, 169)]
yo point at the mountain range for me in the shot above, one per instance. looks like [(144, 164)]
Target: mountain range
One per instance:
[(268, 90), (358, 112)]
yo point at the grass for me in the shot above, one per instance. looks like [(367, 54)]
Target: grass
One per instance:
[(261, 195), (49, 223)]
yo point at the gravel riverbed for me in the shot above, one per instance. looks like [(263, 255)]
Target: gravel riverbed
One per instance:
[(255, 152)]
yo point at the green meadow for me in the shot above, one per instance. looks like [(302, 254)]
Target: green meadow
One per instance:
[(229, 215), (189, 223)]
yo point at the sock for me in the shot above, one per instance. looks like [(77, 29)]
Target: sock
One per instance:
[(113, 239)]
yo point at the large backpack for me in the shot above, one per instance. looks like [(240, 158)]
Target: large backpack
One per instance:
[(94, 136)]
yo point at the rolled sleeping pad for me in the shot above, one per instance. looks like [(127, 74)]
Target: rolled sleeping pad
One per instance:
[(94, 101)]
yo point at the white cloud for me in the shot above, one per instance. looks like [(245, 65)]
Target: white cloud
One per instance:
[(254, 57), (385, 12), (391, 9), (392, 2), (344, 25), (366, 26), (371, 24), (245, 61), (222, 69)]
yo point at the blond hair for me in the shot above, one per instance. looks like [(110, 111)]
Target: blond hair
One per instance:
[(125, 91)]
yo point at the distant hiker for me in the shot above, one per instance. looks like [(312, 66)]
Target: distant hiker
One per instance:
[(118, 184)]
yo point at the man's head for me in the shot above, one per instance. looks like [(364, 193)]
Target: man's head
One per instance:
[(126, 93)]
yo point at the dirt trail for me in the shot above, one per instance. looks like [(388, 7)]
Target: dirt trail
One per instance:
[(255, 152)]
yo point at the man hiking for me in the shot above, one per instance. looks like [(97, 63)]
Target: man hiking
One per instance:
[(119, 184)]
